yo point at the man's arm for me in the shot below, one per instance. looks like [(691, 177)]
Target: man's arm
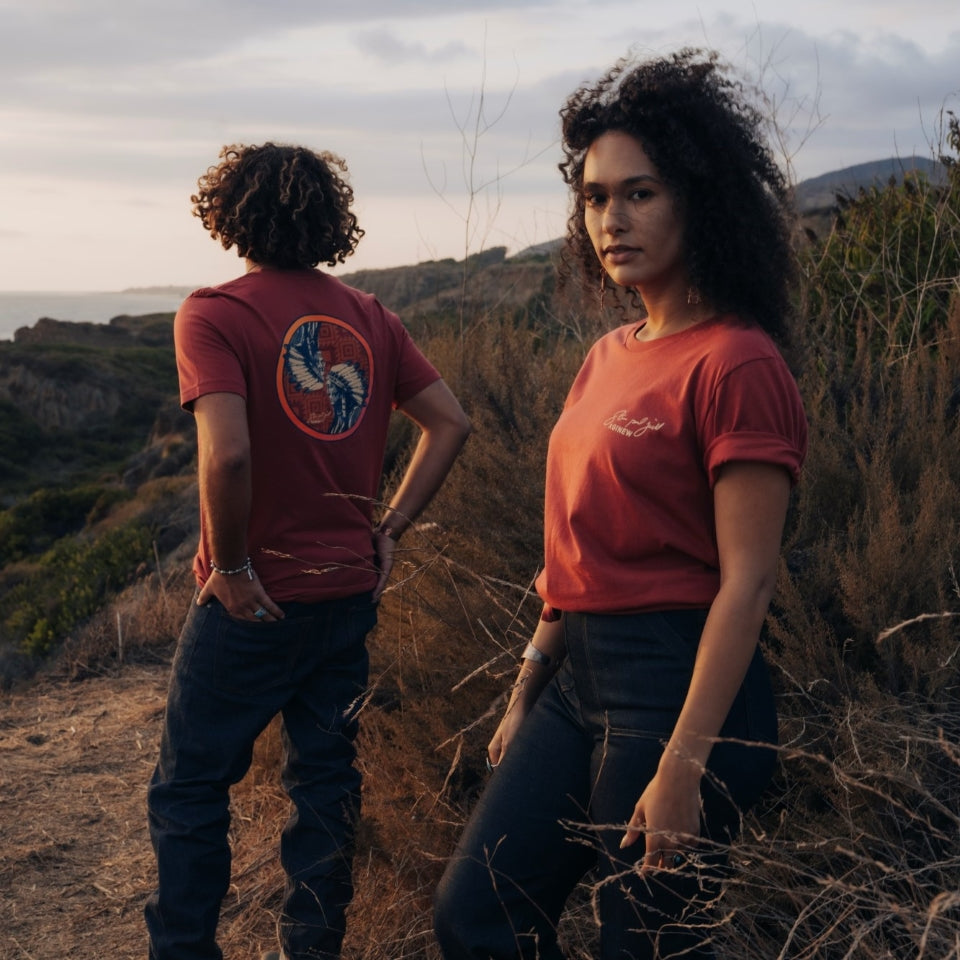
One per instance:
[(223, 445), (445, 428)]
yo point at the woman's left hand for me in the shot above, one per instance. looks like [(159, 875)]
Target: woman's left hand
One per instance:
[(668, 813), (750, 503)]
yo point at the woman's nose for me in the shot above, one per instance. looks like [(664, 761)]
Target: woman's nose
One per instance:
[(615, 219)]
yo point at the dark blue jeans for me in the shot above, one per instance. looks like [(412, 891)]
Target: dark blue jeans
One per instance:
[(557, 804), (229, 680)]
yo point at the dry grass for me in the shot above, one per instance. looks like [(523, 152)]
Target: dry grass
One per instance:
[(76, 865)]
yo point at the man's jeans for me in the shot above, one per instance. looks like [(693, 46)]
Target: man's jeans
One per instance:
[(229, 679), (557, 804)]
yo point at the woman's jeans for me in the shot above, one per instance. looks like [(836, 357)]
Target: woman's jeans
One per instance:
[(558, 803), (229, 679)]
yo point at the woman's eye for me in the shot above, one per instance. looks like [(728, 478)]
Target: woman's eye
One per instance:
[(594, 199), (640, 194)]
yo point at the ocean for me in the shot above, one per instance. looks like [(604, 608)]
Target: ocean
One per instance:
[(23, 309)]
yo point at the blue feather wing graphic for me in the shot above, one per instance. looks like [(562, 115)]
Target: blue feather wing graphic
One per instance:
[(347, 389), (304, 361)]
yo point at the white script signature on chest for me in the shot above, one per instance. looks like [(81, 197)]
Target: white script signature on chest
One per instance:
[(621, 422)]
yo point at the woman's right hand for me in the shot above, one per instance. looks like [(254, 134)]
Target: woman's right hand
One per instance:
[(509, 725), (533, 677)]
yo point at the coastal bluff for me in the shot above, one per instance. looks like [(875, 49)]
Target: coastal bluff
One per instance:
[(78, 399)]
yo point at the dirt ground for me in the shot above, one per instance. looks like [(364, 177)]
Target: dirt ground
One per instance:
[(75, 858)]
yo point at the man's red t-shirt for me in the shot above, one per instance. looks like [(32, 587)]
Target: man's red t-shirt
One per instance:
[(632, 461), (321, 366)]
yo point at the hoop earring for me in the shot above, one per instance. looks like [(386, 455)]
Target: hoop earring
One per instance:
[(693, 295), (603, 286)]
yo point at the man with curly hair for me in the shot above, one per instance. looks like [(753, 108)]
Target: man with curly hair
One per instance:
[(291, 377)]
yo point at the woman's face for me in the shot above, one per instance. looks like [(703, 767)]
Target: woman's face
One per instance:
[(632, 216)]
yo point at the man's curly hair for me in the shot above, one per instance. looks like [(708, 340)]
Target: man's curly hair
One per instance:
[(281, 206), (706, 141)]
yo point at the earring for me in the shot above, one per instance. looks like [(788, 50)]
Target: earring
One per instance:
[(693, 295), (603, 286)]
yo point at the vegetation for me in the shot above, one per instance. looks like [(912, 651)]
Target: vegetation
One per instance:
[(77, 400), (889, 268), (32, 525), (856, 851), (69, 583)]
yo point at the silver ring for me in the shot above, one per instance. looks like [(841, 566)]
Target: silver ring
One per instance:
[(491, 766), (260, 613)]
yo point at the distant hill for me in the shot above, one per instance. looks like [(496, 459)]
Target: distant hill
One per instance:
[(820, 193), (489, 280), (173, 289)]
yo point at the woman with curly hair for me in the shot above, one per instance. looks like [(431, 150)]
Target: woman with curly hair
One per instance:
[(641, 724), (291, 377)]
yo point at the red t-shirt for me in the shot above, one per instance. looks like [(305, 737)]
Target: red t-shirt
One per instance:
[(321, 366), (633, 458)]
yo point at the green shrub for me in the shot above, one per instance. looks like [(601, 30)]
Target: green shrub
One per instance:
[(35, 523), (889, 269), (69, 583)]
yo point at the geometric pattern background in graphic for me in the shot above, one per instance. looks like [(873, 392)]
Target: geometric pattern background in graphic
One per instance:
[(324, 377)]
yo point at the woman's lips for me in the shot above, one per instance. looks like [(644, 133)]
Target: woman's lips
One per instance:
[(617, 255)]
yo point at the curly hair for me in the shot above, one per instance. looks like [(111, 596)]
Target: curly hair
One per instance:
[(706, 141), (281, 206)]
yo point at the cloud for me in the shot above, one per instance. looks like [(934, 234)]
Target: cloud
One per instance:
[(881, 97), (63, 35), (128, 101), (385, 45)]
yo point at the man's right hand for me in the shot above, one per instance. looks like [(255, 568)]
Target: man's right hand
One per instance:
[(240, 596)]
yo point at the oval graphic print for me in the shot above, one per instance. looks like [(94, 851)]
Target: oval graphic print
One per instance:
[(323, 377)]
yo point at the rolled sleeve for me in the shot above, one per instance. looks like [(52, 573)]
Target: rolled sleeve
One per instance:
[(757, 416)]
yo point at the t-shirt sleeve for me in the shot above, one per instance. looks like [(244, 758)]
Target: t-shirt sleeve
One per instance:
[(756, 414), (206, 362), (414, 371)]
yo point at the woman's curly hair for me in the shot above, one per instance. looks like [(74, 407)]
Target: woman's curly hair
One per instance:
[(706, 141), (281, 206)]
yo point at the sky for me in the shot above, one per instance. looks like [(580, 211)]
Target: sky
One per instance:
[(446, 112)]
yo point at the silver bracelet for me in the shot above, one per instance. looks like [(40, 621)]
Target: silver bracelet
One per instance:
[(246, 568), (530, 652)]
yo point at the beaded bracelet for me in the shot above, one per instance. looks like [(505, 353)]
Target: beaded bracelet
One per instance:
[(246, 568)]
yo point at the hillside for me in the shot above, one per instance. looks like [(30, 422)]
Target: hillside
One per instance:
[(820, 193), (79, 399), (484, 282)]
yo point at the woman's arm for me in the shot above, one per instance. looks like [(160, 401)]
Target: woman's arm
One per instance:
[(445, 428), (531, 679), (750, 505)]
